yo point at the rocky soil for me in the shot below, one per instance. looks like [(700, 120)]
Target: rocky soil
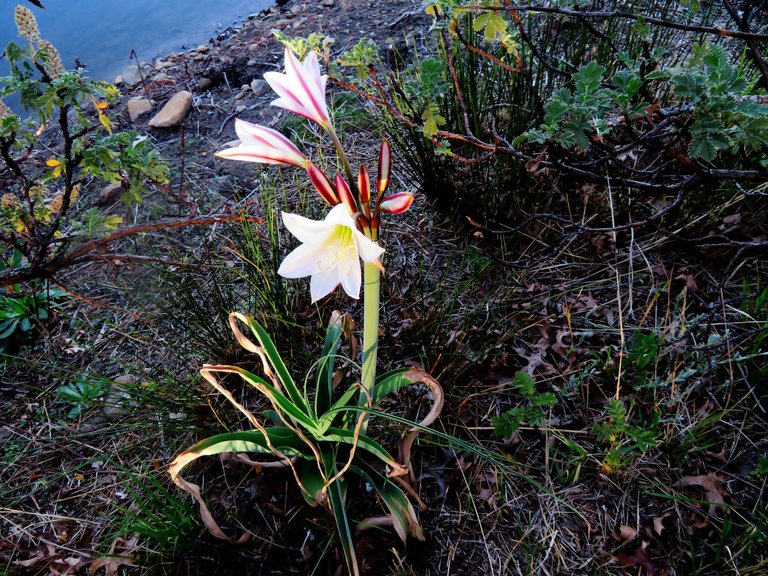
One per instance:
[(206, 88)]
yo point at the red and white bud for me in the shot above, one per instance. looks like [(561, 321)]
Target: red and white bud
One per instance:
[(323, 184), (385, 168), (397, 203), (364, 185), (345, 194)]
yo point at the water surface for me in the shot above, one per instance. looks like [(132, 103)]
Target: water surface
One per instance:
[(102, 33)]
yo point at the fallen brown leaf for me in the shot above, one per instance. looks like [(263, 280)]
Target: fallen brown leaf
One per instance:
[(713, 489), (638, 558)]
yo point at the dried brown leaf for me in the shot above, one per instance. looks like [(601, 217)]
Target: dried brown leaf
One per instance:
[(639, 557), (713, 489), (624, 533)]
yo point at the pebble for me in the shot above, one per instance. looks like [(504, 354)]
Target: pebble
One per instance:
[(174, 111), (259, 86), (131, 75), (204, 84), (328, 3), (138, 107)]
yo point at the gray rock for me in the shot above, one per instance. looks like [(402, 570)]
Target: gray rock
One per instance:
[(204, 84), (328, 3), (174, 111), (137, 107), (259, 86), (131, 75)]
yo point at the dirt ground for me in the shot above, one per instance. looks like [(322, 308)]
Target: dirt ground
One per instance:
[(89, 493)]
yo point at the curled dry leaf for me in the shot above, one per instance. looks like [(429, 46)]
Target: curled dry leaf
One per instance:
[(416, 375)]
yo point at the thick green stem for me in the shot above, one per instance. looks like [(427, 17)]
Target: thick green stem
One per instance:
[(371, 280)]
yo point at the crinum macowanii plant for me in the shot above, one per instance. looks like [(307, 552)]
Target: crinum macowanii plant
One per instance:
[(320, 434)]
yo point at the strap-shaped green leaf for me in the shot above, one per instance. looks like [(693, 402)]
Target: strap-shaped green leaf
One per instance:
[(326, 420), (348, 437), (283, 439), (313, 483), (401, 511), (324, 391), (388, 383), (277, 363), (282, 403), (336, 495)]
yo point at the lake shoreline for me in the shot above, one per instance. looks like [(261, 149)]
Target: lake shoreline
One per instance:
[(224, 76)]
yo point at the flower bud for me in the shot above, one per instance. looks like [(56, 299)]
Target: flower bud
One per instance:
[(397, 203), (323, 184), (345, 195), (364, 185), (385, 167)]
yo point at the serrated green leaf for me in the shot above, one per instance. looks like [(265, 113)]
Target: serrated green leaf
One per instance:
[(493, 26)]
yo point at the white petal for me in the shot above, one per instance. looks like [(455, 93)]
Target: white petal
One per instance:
[(323, 283), (339, 214), (302, 261), (368, 250), (306, 230), (351, 281)]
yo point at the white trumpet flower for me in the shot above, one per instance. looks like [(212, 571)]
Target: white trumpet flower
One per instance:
[(330, 252)]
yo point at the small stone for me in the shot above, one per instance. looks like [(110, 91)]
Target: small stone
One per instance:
[(118, 80), (239, 95), (137, 107), (203, 49), (231, 144), (328, 3), (174, 111), (161, 77), (253, 47), (259, 86), (110, 194), (204, 84), (131, 75), (241, 108)]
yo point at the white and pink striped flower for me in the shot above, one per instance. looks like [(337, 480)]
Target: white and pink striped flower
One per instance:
[(264, 145), (301, 89)]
